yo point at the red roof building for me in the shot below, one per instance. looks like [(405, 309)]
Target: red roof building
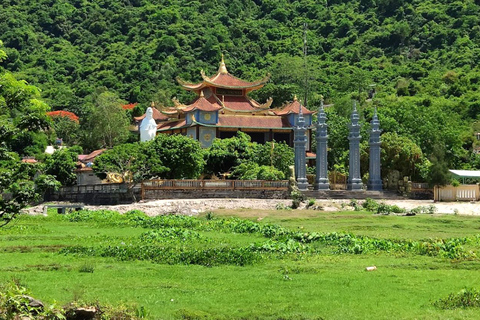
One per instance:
[(222, 107)]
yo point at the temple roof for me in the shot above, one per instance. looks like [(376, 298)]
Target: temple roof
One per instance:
[(223, 79), (157, 115), (202, 104), (91, 156), (293, 107), (242, 104), (172, 125)]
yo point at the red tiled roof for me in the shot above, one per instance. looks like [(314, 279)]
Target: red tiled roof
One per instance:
[(311, 155), (29, 160), (240, 103), (157, 116), (202, 104), (91, 156), (229, 81), (172, 125), (223, 79), (269, 122), (293, 107), (62, 113)]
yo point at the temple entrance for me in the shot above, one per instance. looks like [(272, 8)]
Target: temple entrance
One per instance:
[(258, 137), (227, 134), (282, 137)]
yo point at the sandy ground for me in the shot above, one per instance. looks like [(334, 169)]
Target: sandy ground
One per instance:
[(198, 206)]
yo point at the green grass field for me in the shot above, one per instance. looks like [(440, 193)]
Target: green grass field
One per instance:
[(265, 265)]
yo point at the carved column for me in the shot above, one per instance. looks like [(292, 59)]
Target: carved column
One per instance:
[(321, 178), (354, 179), (300, 144), (375, 178)]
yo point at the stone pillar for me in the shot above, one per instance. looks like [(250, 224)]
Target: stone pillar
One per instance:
[(321, 179), (300, 144), (354, 179), (375, 178)]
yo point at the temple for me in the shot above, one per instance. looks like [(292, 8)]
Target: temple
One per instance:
[(222, 107)]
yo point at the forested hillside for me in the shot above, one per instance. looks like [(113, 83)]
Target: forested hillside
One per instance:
[(421, 57)]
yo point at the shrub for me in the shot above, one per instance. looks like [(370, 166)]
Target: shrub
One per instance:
[(466, 298), (86, 268), (354, 204), (370, 205)]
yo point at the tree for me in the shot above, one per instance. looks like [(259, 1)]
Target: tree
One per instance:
[(23, 120), (17, 189), (108, 124), (182, 156), (224, 154), (66, 126), (62, 164), (22, 113), (400, 153), (277, 155), (134, 161), (253, 171)]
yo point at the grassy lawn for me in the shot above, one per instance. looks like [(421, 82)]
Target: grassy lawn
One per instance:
[(225, 268)]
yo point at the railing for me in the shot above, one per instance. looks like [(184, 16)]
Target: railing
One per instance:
[(95, 188), (420, 186), (460, 193), (213, 185)]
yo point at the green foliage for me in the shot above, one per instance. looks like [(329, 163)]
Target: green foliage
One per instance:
[(107, 124), (23, 122), (400, 153), (134, 161), (370, 205), (225, 154), (61, 164), (252, 171), (171, 231), (16, 185), (15, 303), (421, 57), (181, 155), (66, 129), (297, 248), (466, 298)]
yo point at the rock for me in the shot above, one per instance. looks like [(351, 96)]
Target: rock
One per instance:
[(82, 313), (34, 303)]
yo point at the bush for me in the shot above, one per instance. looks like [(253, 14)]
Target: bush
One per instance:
[(466, 298), (370, 205)]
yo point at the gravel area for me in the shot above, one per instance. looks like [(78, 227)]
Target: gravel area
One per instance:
[(197, 206)]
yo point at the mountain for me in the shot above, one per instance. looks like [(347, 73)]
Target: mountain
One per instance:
[(420, 57)]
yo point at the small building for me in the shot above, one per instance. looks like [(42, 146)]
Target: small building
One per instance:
[(84, 171), (222, 108)]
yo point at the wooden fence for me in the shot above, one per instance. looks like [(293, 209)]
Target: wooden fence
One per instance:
[(213, 185), (467, 192)]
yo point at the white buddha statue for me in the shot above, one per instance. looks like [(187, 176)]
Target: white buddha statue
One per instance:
[(148, 127)]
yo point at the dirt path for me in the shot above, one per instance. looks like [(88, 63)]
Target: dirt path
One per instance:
[(197, 206)]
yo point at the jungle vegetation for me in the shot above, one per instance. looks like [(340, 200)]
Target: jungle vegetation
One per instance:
[(418, 57)]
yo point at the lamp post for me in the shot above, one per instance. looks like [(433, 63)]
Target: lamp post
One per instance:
[(375, 178), (300, 143), (354, 179), (321, 179)]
